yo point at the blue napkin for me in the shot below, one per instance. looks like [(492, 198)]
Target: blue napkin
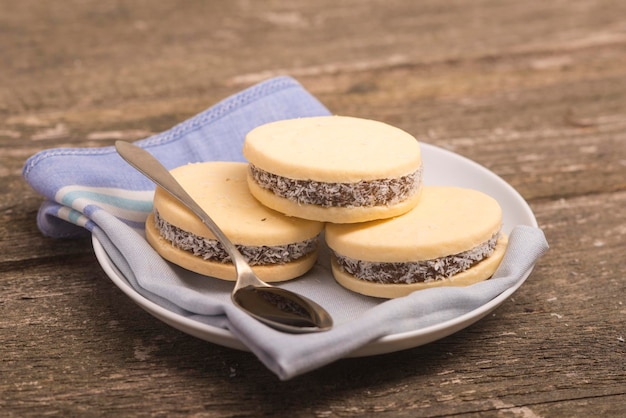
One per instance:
[(95, 191)]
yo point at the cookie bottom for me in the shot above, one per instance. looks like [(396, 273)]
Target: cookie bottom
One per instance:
[(225, 271), (479, 272), (331, 214)]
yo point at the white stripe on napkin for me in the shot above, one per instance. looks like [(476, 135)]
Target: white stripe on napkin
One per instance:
[(72, 216), (129, 205)]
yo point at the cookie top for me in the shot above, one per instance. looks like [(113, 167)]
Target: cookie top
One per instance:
[(220, 188), (332, 149), (447, 220)]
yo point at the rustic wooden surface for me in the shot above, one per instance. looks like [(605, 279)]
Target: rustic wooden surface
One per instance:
[(534, 90)]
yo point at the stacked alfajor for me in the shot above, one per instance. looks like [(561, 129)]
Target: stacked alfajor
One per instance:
[(278, 247), (359, 180), (389, 234)]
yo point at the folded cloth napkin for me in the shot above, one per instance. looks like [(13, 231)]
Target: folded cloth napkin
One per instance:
[(95, 191)]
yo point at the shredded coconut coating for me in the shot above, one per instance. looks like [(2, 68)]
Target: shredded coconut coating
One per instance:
[(365, 193), (211, 249), (417, 272)]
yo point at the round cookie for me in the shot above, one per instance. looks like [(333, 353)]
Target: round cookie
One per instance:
[(278, 247), (452, 238), (334, 168)]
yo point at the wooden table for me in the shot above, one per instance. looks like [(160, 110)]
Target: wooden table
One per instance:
[(532, 90)]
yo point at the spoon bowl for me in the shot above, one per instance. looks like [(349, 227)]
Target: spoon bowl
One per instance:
[(276, 307)]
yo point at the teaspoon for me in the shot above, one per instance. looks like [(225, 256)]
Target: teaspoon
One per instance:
[(277, 307)]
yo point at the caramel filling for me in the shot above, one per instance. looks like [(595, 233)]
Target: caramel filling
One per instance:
[(418, 271), (364, 193), (212, 249)]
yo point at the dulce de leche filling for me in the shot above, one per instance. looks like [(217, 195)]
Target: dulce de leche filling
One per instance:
[(212, 250), (364, 193), (418, 271)]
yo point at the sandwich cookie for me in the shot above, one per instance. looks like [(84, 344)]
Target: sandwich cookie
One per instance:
[(334, 168), (277, 247), (452, 238)]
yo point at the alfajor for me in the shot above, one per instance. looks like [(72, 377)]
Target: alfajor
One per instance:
[(452, 238), (277, 247), (334, 168)]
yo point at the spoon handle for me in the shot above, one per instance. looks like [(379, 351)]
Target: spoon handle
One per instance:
[(271, 305), (143, 161)]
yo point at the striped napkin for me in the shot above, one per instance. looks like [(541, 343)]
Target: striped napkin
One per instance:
[(92, 190), (76, 182)]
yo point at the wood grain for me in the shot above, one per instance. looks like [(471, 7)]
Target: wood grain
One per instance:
[(532, 90)]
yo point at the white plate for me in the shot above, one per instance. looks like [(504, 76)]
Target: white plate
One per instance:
[(441, 167)]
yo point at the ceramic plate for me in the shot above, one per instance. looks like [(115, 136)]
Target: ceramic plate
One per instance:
[(441, 167)]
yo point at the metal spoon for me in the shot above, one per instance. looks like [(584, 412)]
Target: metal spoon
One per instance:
[(274, 306)]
